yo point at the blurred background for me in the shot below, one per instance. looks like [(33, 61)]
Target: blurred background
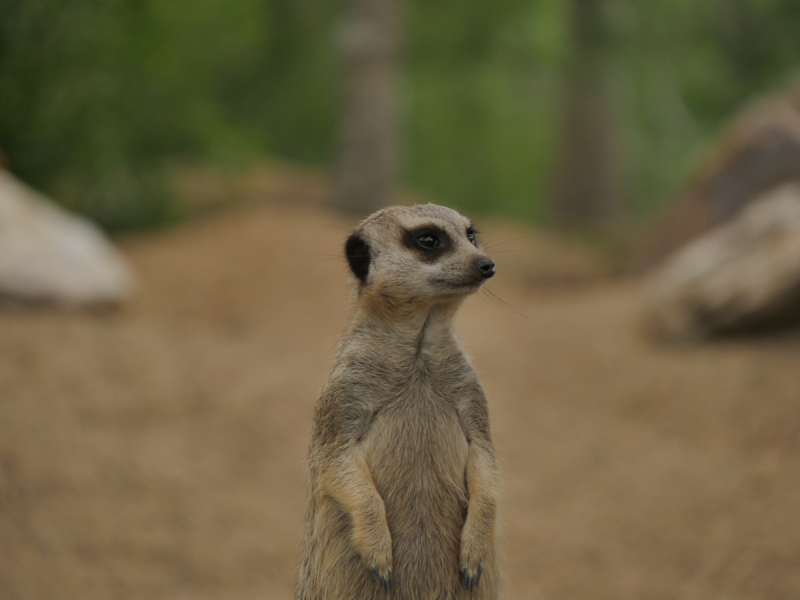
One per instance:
[(633, 166), (99, 99)]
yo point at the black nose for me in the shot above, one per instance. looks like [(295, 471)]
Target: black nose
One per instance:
[(486, 267)]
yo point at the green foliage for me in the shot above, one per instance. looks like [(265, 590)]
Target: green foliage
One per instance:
[(687, 67), (97, 97), (482, 88)]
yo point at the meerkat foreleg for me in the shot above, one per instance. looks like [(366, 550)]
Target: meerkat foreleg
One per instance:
[(477, 536), (348, 481)]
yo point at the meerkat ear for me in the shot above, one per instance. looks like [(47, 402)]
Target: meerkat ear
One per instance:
[(358, 256)]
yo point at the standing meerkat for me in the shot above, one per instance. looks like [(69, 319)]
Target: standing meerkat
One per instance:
[(403, 472)]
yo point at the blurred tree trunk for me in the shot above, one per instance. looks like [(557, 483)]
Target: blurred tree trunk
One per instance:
[(367, 153), (589, 171)]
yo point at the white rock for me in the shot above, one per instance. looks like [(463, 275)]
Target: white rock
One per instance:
[(48, 254), (742, 274)]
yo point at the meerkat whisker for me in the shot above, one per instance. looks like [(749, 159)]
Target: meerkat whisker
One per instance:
[(506, 304), (504, 242), (494, 230)]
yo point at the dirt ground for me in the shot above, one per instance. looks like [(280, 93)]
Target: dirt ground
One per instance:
[(157, 452)]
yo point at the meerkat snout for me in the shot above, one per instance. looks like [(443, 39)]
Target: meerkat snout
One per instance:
[(486, 268)]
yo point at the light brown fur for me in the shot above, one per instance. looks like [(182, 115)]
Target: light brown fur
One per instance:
[(402, 467)]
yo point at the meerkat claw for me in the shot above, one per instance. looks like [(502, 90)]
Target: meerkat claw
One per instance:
[(470, 581), (385, 582)]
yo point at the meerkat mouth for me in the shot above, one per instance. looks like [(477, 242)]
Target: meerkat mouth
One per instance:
[(465, 286)]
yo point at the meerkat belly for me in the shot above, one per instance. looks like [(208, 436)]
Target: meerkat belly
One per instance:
[(417, 455)]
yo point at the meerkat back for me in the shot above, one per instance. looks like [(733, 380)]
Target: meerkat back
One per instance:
[(402, 468)]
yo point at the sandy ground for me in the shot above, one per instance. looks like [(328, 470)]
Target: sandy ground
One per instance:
[(158, 452)]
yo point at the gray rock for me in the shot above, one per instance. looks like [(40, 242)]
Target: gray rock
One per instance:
[(743, 274), (758, 150), (49, 255)]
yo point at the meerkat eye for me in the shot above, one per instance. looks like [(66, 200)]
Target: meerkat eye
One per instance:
[(429, 241), (471, 236)]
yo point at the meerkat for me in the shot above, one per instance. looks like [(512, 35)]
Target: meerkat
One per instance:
[(402, 467)]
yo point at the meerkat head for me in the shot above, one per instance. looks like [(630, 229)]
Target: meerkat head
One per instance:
[(417, 253)]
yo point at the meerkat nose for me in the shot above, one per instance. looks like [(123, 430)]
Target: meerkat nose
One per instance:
[(486, 267)]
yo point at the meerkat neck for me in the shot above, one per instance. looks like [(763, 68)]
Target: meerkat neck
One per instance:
[(411, 328)]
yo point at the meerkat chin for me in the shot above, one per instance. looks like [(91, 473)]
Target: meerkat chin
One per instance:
[(403, 472)]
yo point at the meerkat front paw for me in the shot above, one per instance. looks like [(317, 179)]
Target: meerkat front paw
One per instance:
[(472, 557), (375, 546), (470, 577), (381, 567), (384, 579)]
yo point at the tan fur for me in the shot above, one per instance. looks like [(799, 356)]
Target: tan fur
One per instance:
[(402, 468)]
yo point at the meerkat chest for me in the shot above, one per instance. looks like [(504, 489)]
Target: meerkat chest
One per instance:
[(416, 441)]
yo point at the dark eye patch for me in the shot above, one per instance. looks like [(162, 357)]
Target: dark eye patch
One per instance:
[(430, 242)]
